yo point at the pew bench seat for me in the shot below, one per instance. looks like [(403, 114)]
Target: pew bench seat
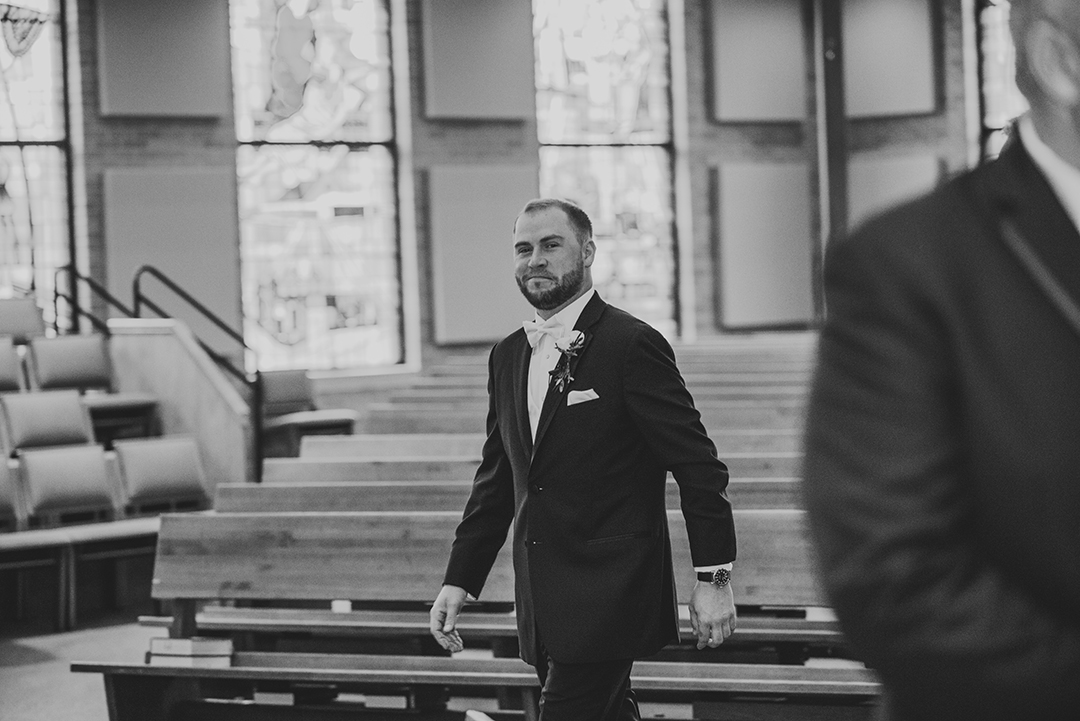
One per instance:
[(64, 548), (142, 691), (472, 625)]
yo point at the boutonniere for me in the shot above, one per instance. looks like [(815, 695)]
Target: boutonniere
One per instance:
[(568, 346)]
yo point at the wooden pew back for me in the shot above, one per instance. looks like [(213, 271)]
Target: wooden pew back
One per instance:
[(401, 556), (435, 495)]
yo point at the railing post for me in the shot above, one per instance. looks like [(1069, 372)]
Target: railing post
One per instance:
[(136, 295), (257, 423), (56, 297)]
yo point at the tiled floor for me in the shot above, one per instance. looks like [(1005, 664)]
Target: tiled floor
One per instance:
[(36, 685)]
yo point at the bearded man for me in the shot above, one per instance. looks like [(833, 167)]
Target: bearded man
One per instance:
[(587, 414)]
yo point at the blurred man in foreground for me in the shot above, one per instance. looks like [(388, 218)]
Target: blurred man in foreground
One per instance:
[(942, 455)]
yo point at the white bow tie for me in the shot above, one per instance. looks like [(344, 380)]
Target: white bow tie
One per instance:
[(534, 330)]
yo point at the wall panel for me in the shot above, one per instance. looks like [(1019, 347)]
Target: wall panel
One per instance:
[(475, 297), (764, 244)]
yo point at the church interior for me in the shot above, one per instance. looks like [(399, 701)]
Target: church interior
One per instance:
[(254, 254)]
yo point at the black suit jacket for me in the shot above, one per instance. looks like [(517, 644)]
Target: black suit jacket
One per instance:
[(943, 451), (592, 556)]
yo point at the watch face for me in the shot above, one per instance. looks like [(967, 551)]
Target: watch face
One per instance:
[(721, 577)]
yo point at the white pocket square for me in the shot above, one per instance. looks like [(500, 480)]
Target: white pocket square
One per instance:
[(575, 397)]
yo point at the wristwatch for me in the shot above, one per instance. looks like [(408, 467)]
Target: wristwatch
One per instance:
[(719, 578)]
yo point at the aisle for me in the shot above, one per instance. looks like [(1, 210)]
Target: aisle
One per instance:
[(35, 683)]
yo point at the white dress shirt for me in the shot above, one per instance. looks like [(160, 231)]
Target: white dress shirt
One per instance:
[(1063, 177), (545, 356)]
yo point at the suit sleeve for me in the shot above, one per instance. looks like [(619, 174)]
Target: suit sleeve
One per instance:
[(951, 633), (489, 510), (664, 412)]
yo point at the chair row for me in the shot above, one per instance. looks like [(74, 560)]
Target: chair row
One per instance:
[(60, 418), (290, 413), (78, 483), (80, 363)]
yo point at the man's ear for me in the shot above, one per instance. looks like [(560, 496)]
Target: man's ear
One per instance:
[(588, 253), (1054, 60)]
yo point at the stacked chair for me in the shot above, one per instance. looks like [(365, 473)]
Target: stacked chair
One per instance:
[(12, 376), (83, 477), (81, 363), (290, 413)]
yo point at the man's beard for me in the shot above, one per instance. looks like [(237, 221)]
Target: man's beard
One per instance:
[(565, 288)]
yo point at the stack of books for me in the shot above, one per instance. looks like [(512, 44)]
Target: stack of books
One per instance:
[(194, 652)]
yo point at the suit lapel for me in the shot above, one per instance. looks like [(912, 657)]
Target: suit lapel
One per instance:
[(554, 400), (1025, 202)]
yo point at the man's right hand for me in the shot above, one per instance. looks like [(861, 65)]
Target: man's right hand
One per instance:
[(444, 615)]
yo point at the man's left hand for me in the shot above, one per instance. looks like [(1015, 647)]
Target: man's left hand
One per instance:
[(712, 614)]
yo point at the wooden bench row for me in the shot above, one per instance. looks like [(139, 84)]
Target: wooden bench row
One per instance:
[(451, 445), (716, 391), (435, 495), (396, 559), (781, 413), (65, 551), (151, 692), (331, 470)]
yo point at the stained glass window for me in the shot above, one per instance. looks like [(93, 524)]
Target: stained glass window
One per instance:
[(319, 253), (33, 151), (602, 71), (627, 193), (604, 123)]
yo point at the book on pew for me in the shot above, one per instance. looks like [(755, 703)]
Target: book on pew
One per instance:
[(194, 646), (194, 652), (155, 659)]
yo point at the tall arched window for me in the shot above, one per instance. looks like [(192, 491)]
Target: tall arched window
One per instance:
[(317, 168), (604, 121), (34, 150)]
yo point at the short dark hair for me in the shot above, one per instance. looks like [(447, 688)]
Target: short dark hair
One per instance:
[(579, 219)]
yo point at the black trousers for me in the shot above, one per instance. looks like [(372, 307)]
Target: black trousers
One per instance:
[(585, 691)]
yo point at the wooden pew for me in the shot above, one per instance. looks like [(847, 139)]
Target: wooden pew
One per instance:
[(469, 418), (713, 391), (435, 495), (458, 445), (399, 555), (749, 464), (139, 692), (398, 558), (770, 541)]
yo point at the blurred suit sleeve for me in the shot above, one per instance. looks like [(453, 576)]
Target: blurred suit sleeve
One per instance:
[(891, 513)]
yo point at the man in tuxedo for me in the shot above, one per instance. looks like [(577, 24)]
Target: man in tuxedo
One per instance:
[(942, 449), (587, 414)]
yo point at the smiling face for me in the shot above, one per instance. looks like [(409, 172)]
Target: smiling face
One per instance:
[(551, 264)]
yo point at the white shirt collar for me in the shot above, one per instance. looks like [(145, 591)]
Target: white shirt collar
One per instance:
[(1063, 177), (569, 315)]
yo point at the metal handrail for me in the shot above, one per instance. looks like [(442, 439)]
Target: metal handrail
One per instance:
[(253, 381), (71, 296), (139, 299)]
